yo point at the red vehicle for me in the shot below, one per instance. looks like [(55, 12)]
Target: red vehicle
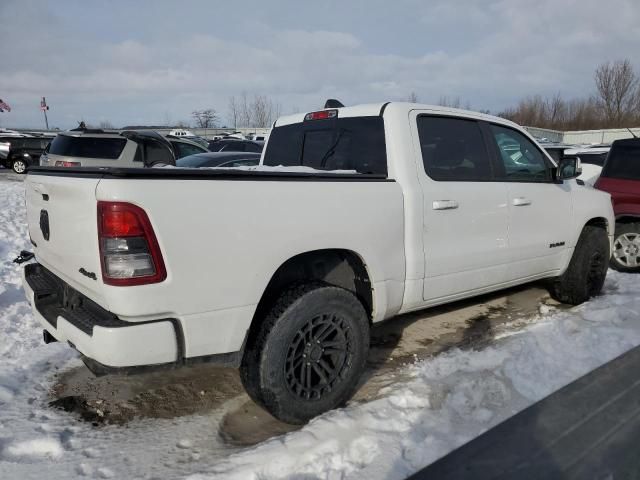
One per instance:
[(621, 178)]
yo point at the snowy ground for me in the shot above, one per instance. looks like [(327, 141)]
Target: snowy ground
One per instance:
[(443, 401)]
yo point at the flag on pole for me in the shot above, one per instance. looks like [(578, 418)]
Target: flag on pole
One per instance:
[(4, 106), (43, 105)]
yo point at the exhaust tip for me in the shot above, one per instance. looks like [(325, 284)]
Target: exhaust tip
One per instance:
[(48, 338)]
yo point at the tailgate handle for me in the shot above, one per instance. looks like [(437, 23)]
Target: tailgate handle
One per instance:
[(444, 204)]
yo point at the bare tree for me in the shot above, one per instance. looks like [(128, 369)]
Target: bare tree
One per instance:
[(246, 115), (618, 91), (261, 108), (454, 102), (207, 118), (234, 111), (556, 113), (412, 98), (106, 125)]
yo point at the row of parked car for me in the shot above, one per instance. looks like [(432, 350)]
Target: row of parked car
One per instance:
[(129, 148)]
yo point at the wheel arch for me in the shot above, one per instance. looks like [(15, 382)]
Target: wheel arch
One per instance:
[(599, 222), (335, 266)]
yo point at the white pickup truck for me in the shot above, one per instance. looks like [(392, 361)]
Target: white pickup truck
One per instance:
[(280, 271)]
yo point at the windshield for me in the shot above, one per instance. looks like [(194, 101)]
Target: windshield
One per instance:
[(334, 144), (623, 162)]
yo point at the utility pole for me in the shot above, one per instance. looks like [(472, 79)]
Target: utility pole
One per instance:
[(44, 107)]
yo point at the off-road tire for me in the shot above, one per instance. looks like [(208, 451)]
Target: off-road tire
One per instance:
[(587, 269), (293, 326), (622, 229)]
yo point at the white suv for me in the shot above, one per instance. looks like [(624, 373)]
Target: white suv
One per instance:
[(130, 148)]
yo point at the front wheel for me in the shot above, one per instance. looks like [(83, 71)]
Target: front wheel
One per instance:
[(626, 248), (587, 269), (19, 166), (309, 352)]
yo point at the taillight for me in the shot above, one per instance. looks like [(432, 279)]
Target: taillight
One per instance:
[(321, 115), (61, 163), (129, 250)]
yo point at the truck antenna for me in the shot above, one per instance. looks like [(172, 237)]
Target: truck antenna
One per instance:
[(631, 132)]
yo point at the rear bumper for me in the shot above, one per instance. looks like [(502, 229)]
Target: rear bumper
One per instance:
[(96, 333)]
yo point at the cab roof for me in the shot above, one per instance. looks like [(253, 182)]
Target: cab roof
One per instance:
[(376, 109)]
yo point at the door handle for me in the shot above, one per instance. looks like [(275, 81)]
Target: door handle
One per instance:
[(444, 204), (521, 201)]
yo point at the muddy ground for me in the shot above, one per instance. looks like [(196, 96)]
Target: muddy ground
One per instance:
[(204, 388)]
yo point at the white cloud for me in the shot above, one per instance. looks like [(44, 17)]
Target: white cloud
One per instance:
[(489, 53)]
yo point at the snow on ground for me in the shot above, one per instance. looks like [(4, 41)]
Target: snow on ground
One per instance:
[(446, 400)]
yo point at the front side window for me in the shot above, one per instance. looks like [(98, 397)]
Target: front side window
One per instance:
[(184, 149), (453, 149), (521, 160)]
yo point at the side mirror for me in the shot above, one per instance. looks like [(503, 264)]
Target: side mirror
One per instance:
[(568, 168)]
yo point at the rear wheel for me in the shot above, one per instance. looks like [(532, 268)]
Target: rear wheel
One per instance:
[(19, 166), (626, 248), (308, 354), (587, 269)]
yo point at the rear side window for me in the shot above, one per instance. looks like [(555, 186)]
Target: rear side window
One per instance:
[(87, 147), (623, 162), (335, 144), (184, 149), (453, 149), (33, 143), (15, 142)]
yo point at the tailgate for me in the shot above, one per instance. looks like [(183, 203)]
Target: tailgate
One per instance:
[(62, 220)]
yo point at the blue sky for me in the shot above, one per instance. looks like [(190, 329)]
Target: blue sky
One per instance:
[(144, 62)]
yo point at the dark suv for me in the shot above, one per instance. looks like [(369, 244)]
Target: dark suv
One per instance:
[(23, 152), (620, 177)]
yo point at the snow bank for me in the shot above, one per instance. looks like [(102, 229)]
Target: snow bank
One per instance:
[(33, 449), (271, 168), (451, 398)]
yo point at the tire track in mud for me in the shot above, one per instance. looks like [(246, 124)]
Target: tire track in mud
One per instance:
[(204, 389)]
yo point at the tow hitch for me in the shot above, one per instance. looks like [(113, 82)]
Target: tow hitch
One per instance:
[(23, 257)]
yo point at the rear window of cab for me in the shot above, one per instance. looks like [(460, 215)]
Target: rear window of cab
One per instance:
[(355, 143), (623, 161)]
